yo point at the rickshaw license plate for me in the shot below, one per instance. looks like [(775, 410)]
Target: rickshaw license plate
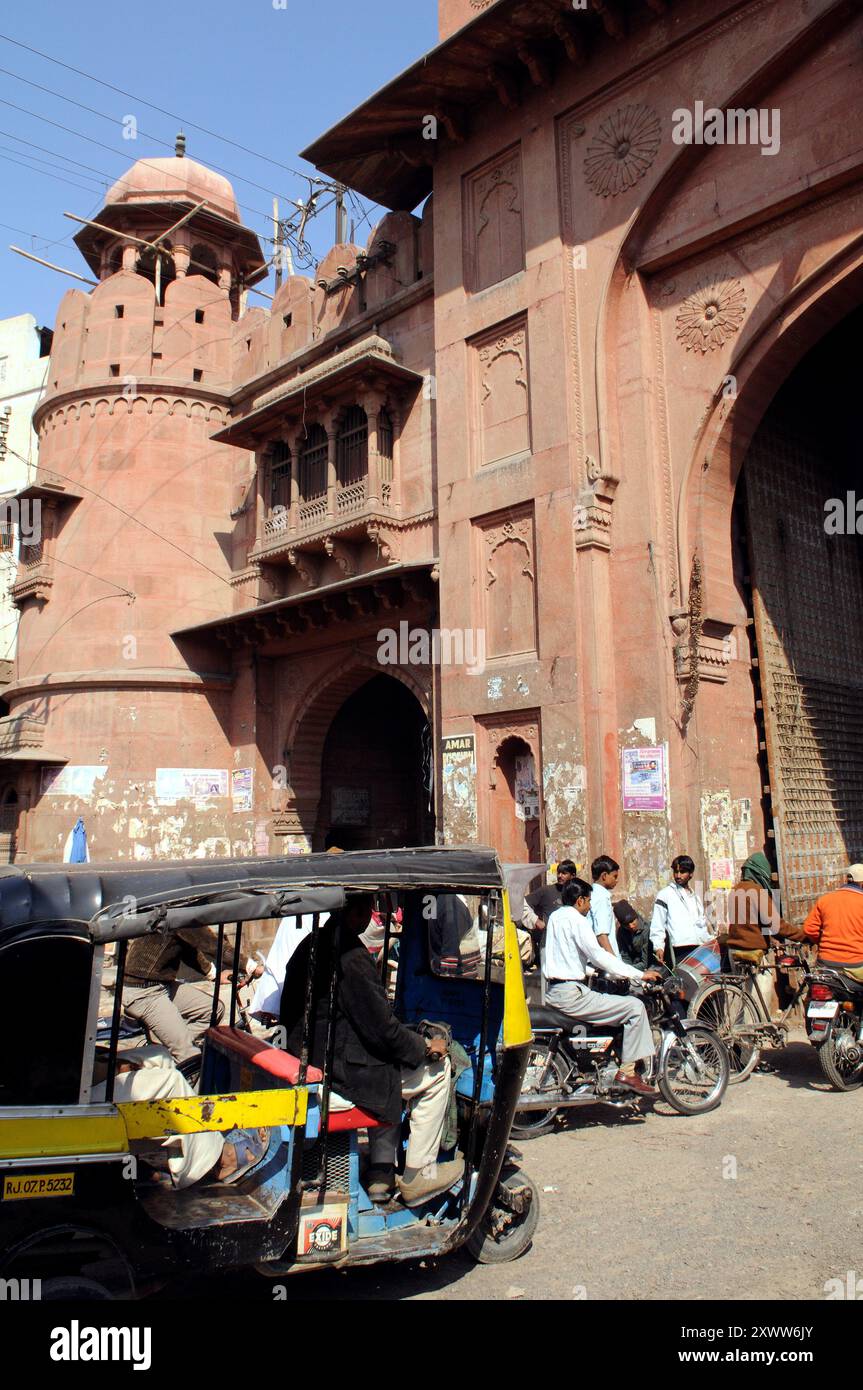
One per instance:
[(20, 1186)]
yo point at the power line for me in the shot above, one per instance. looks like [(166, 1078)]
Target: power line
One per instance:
[(50, 164), (44, 172), (47, 150), (174, 117), (147, 135), (37, 236), (93, 141), (130, 516)]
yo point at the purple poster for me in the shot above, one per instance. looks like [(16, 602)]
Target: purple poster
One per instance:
[(643, 779)]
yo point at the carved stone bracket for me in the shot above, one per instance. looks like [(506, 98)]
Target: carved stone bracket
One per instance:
[(592, 515), (504, 85), (572, 39), (307, 567), (345, 555), (384, 541)]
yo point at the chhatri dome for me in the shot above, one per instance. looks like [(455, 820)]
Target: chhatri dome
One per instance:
[(169, 179), (158, 194)]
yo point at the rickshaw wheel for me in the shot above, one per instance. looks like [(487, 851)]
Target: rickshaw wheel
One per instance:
[(503, 1234)]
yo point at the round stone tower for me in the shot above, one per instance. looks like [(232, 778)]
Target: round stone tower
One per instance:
[(133, 501)]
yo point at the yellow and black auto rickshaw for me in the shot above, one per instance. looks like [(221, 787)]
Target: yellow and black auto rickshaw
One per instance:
[(79, 1207)]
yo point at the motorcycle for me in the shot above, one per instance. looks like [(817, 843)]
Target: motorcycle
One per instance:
[(834, 1026), (572, 1062)]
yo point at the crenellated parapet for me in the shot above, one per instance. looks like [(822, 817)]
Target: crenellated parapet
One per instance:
[(349, 284)]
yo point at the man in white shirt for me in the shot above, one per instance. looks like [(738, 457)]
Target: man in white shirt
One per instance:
[(677, 926), (605, 872), (291, 931), (570, 947)]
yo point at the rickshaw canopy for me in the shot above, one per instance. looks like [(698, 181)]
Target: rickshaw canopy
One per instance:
[(116, 901)]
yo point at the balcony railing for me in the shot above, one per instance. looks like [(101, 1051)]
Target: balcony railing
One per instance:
[(351, 499), (312, 514), (314, 519)]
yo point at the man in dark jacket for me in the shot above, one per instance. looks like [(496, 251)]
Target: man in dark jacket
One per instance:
[(377, 1062), (633, 936)]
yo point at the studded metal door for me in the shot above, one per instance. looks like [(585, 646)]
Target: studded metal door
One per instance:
[(807, 589)]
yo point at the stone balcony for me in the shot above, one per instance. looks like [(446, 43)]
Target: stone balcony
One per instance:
[(35, 575), (347, 513)]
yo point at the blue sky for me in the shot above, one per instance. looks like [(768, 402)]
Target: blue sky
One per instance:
[(270, 79)]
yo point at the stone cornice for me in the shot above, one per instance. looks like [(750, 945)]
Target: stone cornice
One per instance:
[(146, 388), (141, 678)]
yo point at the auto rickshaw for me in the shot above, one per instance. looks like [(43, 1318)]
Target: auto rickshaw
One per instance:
[(79, 1210)]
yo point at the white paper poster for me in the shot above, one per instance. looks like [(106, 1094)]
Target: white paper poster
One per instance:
[(72, 780), (190, 783)]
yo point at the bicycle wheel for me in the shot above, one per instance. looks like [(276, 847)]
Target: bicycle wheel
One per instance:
[(729, 1010), (694, 1071)]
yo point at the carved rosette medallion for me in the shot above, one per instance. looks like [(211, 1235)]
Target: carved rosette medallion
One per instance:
[(711, 315), (623, 150)]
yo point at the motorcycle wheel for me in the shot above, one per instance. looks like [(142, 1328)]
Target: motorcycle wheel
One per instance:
[(728, 1009), (677, 1080), (488, 1248), (842, 1075), (549, 1069)]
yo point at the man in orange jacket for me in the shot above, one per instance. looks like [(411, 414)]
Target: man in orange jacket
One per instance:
[(836, 924)]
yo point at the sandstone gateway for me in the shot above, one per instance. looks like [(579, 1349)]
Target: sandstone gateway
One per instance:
[(586, 391)]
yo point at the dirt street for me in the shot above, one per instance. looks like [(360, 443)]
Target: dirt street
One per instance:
[(652, 1207)]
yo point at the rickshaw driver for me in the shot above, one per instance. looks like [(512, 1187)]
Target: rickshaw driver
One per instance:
[(176, 1012), (377, 1061)]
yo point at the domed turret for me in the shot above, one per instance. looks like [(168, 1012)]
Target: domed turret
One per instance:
[(172, 180), (156, 195)]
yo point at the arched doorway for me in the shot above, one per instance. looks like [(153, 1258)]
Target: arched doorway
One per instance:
[(514, 803), (376, 771), (800, 569)]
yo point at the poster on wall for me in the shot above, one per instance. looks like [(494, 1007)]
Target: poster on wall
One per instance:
[(458, 787), (526, 789), (71, 780), (190, 783), (241, 788), (722, 873), (643, 779)]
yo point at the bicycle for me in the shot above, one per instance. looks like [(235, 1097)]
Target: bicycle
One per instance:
[(740, 1015)]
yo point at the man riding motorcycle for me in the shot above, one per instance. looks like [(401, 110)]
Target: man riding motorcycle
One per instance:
[(836, 924), (570, 947)]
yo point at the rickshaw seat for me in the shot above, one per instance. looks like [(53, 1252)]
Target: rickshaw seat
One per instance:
[(262, 1054), (338, 1121)]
